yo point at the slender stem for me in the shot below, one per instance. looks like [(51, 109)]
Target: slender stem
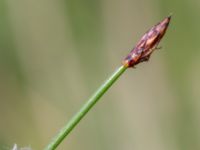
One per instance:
[(83, 111)]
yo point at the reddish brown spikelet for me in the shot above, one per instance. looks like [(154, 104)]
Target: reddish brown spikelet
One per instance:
[(148, 43)]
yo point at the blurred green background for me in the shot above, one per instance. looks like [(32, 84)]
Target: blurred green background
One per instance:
[(55, 53)]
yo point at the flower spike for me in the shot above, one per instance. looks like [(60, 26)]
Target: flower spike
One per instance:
[(148, 43)]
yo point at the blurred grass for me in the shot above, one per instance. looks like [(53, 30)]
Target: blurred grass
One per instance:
[(182, 53), (54, 54)]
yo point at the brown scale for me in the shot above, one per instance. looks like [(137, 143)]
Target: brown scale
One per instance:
[(148, 43)]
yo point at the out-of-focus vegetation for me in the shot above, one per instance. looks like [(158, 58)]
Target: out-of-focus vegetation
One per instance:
[(54, 54)]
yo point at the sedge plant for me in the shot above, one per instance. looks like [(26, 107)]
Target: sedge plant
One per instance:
[(140, 53)]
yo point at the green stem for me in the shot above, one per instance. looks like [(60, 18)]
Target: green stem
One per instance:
[(83, 111)]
